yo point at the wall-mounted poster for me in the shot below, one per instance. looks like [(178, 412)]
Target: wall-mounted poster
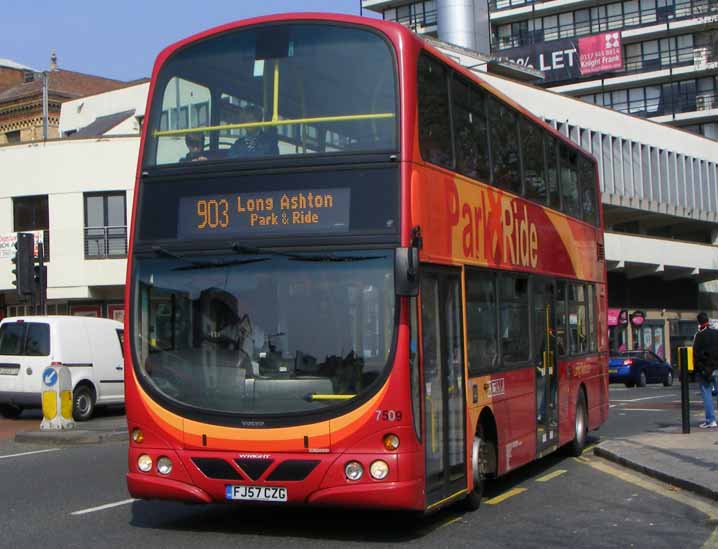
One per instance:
[(116, 312), (85, 310), (601, 52)]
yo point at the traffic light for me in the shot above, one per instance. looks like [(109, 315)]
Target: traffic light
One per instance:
[(24, 261), (40, 277)]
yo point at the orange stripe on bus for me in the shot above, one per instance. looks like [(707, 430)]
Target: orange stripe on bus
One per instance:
[(271, 439)]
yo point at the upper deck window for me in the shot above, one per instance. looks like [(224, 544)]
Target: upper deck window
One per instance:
[(279, 90)]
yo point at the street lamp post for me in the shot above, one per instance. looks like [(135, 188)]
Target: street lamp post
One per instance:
[(45, 106)]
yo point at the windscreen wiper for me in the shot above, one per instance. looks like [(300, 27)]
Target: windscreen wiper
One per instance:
[(336, 258), (251, 250), (194, 264)]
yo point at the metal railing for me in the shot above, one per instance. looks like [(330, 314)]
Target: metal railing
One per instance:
[(426, 19), (105, 242), (659, 60), (680, 10), (661, 106)]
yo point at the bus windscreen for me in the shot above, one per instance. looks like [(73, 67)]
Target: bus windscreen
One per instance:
[(278, 90), (264, 333)]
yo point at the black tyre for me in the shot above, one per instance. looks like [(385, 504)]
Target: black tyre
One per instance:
[(629, 384), (10, 411), (642, 380), (577, 445), (83, 403), (478, 465), (669, 379)]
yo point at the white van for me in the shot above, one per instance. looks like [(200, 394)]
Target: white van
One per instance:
[(90, 347)]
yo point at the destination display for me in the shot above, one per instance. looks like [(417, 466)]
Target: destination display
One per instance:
[(339, 203), (265, 213)]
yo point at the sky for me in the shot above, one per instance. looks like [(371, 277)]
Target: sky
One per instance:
[(120, 39)]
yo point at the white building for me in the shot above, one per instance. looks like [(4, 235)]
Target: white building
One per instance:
[(78, 191)]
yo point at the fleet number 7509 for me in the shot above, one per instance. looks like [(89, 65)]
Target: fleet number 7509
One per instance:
[(388, 415)]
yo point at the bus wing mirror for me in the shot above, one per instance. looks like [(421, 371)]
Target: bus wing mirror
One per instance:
[(406, 271)]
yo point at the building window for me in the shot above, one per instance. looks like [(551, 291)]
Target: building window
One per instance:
[(30, 213), (13, 137), (105, 225), (413, 15)]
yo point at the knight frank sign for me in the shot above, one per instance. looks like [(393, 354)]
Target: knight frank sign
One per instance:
[(569, 59), (600, 53)]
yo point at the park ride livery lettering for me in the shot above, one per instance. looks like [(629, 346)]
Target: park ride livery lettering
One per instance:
[(493, 227)]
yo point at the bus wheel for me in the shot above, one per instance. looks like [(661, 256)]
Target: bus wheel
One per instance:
[(478, 465), (10, 411), (575, 448), (83, 403)]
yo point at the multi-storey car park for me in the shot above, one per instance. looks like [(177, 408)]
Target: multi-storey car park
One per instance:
[(668, 49), (659, 184)]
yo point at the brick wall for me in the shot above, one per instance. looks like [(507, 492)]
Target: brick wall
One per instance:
[(10, 77)]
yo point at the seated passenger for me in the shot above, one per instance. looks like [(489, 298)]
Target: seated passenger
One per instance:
[(195, 145), (257, 141)]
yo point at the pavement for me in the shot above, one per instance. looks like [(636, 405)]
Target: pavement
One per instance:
[(688, 461), (100, 429)]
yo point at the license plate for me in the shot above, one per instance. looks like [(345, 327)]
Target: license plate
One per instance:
[(610, 371), (9, 371), (256, 493)]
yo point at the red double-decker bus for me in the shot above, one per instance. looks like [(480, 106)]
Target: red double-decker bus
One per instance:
[(359, 275)]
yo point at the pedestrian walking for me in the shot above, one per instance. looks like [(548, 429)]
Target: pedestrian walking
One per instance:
[(705, 359)]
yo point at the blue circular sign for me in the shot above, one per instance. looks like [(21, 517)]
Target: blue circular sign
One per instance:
[(49, 377)]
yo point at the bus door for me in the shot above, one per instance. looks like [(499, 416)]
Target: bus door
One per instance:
[(546, 370), (444, 398)]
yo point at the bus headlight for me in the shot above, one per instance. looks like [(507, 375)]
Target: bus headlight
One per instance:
[(353, 470), (379, 469), (164, 465), (144, 463)]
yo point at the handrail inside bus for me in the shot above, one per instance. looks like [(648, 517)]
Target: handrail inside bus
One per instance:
[(316, 396), (275, 99), (274, 123)]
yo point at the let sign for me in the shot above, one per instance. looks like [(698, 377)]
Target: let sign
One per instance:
[(266, 213)]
